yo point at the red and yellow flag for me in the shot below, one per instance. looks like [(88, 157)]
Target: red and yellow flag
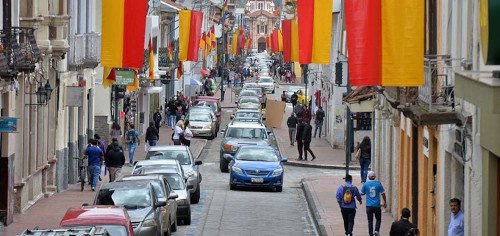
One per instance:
[(189, 34), (151, 60), (208, 42), (394, 58), (108, 77), (315, 29), (286, 26), (135, 86), (203, 45), (212, 37), (295, 41), (234, 45), (170, 51), (180, 70), (123, 33)]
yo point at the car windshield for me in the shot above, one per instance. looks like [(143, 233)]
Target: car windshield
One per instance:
[(203, 117), (181, 155), (127, 198), (158, 188), (248, 93), (258, 90), (252, 133), (250, 100), (266, 80), (175, 180), (200, 109), (256, 154), (211, 104)]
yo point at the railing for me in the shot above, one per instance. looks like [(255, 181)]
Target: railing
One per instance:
[(92, 49), (76, 53), (438, 89), (402, 95), (164, 61), (20, 50)]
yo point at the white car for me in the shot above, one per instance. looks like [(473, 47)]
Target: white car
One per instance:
[(267, 83)]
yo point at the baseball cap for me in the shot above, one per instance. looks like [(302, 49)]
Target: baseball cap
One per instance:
[(371, 174)]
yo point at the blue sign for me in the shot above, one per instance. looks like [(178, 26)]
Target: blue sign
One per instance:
[(8, 125)]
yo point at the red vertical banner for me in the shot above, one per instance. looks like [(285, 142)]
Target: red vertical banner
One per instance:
[(286, 26), (305, 12), (194, 35), (275, 41), (363, 25), (134, 26)]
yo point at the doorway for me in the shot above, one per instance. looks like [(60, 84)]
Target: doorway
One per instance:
[(261, 44)]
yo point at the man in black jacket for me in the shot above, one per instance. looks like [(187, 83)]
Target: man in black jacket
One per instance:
[(292, 127), (157, 118), (115, 159), (403, 226), (306, 139), (152, 135), (318, 119), (293, 99), (298, 137)]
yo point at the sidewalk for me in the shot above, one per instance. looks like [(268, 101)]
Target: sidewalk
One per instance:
[(48, 212), (326, 156), (320, 193)]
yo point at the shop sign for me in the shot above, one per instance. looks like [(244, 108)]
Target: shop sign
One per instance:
[(125, 77), (8, 124)]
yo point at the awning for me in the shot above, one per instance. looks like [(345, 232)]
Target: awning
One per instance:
[(194, 81), (151, 90)]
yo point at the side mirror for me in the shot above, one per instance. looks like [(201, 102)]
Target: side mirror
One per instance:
[(197, 163), (173, 196), (231, 117), (160, 203), (190, 187), (228, 157), (222, 131), (284, 159)]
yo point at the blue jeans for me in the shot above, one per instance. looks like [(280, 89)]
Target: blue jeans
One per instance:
[(167, 121), (153, 142), (364, 164), (95, 171), (172, 121), (370, 211), (131, 152)]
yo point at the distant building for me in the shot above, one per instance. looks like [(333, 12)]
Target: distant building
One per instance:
[(261, 21)]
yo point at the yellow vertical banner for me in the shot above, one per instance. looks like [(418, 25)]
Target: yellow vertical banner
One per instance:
[(298, 70), (184, 30), (112, 32), (322, 31), (403, 43), (295, 41), (280, 41), (235, 43)]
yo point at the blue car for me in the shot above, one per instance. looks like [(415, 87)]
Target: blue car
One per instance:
[(256, 166)]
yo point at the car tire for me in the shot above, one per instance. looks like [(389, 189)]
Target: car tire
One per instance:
[(274, 91), (195, 198), (224, 165), (211, 136), (187, 221), (232, 186), (279, 189)]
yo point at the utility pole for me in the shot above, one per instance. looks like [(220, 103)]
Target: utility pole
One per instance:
[(7, 14), (349, 132)]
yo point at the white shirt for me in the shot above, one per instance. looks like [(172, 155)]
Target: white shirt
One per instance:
[(177, 132), (188, 134), (456, 226)]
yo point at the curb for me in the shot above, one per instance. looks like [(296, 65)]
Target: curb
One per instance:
[(306, 164), (313, 208), (204, 141)]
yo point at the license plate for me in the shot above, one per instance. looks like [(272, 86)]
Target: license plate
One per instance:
[(257, 180)]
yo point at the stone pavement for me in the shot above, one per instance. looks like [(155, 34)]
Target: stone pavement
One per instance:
[(48, 212), (320, 193)]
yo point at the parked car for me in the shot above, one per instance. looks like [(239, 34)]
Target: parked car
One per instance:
[(139, 199), (158, 161), (256, 166), (243, 133), (206, 108), (248, 93), (268, 84), (179, 186), (247, 115), (114, 219), (187, 161), (163, 191), (202, 125), (213, 102), (245, 99), (83, 230)]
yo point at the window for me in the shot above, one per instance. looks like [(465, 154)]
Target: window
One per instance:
[(265, 29), (258, 29), (260, 5)]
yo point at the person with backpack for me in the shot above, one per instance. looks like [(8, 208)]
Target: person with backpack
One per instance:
[(115, 159), (132, 138), (157, 118), (318, 120), (403, 227), (152, 135), (346, 194), (373, 189)]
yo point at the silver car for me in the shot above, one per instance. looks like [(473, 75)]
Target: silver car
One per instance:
[(268, 84), (186, 160), (157, 161), (202, 124)]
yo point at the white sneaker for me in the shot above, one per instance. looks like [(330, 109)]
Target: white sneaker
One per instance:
[(376, 233)]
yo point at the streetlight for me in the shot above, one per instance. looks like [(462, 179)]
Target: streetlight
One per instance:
[(48, 90), (41, 95)]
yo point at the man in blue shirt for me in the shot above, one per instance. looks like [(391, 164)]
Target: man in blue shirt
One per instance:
[(373, 189), (456, 227), (345, 197), (95, 159)]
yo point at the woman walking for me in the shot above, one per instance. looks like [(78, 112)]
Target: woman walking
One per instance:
[(116, 132), (365, 157), (178, 132), (186, 141)]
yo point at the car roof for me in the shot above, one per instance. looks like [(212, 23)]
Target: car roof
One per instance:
[(158, 171), (247, 111), (127, 184), (92, 215), (239, 124), (170, 162), (167, 148), (141, 177)]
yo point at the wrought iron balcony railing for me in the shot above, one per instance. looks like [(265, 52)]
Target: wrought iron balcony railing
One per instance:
[(164, 60), (92, 49), (76, 53), (402, 95), (19, 49)]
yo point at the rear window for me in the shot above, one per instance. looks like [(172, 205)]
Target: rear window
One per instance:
[(181, 155), (250, 133)]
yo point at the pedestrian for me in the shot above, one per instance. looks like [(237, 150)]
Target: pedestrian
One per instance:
[(283, 96), (152, 134), (318, 121), (188, 135), (345, 197), (95, 158), (373, 189), (133, 140), (114, 159), (298, 138), (293, 100), (157, 118), (292, 127), (100, 143), (456, 226), (305, 114), (178, 132), (365, 157), (116, 132), (402, 227), (178, 111), (306, 140), (172, 108), (298, 109)]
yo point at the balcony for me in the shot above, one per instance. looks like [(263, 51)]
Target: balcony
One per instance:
[(92, 50), (76, 53), (20, 50), (164, 61)]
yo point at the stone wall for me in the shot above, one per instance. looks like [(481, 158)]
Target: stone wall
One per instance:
[(102, 127)]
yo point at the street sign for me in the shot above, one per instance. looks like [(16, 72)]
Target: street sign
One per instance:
[(8, 124), (125, 77), (74, 96)]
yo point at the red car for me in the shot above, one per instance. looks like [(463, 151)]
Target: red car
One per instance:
[(114, 219)]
